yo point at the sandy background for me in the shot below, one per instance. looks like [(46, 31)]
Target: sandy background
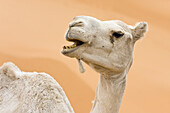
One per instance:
[(32, 36)]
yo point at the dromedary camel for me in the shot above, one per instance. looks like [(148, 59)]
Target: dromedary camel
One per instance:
[(106, 46)]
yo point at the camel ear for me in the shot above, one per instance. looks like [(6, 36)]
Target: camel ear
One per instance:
[(139, 30)]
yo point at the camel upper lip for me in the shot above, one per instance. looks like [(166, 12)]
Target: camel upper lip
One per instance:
[(72, 37), (77, 41)]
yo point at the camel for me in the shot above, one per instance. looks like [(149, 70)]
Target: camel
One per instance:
[(106, 46)]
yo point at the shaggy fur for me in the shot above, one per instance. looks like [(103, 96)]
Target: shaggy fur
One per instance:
[(30, 92)]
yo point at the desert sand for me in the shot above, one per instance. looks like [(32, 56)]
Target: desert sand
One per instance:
[(32, 36)]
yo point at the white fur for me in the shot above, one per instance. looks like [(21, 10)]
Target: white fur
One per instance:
[(26, 92)]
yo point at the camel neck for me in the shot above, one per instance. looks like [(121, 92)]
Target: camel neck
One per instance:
[(109, 93)]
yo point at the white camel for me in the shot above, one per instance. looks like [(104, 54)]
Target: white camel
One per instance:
[(106, 46)]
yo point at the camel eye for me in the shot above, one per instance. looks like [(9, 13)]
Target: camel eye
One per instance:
[(118, 34)]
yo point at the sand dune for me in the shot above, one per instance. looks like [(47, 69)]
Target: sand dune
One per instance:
[(32, 36)]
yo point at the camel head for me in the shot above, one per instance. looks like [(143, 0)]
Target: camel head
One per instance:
[(104, 45)]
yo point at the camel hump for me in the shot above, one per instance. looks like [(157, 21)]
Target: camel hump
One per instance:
[(10, 70)]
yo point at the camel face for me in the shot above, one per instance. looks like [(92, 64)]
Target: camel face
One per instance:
[(103, 45)]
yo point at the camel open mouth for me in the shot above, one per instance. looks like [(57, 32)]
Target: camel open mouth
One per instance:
[(76, 44)]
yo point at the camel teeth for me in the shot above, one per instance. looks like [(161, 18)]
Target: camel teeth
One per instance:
[(74, 45), (69, 47)]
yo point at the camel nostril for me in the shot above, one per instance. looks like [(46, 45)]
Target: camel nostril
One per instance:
[(76, 24)]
